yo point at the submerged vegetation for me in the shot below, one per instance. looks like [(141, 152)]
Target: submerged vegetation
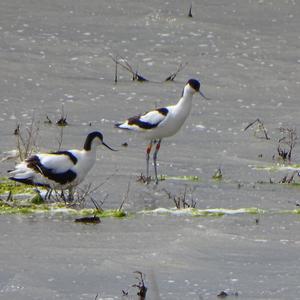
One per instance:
[(18, 198), (140, 286), (211, 212)]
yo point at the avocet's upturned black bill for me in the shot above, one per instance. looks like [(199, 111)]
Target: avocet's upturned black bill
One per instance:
[(163, 122), (62, 170)]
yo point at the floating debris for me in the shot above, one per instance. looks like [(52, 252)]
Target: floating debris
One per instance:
[(183, 177), (218, 174), (48, 121), (224, 294), (93, 220)]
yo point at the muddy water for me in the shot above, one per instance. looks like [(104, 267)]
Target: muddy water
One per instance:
[(246, 55)]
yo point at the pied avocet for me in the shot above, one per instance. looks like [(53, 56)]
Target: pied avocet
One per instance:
[(163, 122), (62, 170)]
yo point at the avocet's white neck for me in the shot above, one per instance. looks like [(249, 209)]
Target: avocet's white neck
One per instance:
[(88, 158), (91, 154), (185, 102)]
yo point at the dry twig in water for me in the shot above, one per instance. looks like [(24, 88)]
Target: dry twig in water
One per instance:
[(125, 198), (181, 201), (172, 76), (190, 12), (261, 128), (125, 65), (26, 142), (63, 118), (288, 140), (287, 179), (142, 289)]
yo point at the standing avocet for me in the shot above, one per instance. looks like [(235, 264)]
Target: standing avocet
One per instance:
[(163, 122), (62, 170)]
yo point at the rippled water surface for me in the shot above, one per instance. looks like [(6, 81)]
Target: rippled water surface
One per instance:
[(56, 54)]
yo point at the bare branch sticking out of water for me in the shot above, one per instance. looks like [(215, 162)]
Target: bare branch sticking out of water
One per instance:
[(286, 143), (142, 289), (190, 12), (172, 76), (26, 141), (63, 118), (81, 199), (17, 130), (87, 191), (116, 69), (259, 129), (48, 120), (125, 198), (125, 65), (289, 179), (80, 196), (60, 138), (181, 201)]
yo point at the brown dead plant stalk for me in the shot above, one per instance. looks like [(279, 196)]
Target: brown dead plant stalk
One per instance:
[(26, 139), (126, 195), (172, 76), (190, 12), (62, 121), (119, 60), (286, 143), (181, 201), (289, 179), (80, 196), (259, 129), (141, 287)]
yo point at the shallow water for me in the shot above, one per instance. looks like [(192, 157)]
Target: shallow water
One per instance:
[(246, 54), (183, 258)]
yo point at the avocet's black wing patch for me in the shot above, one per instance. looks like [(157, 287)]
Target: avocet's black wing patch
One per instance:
[(141, 124), (64, 177), (146, 121), (71, 156)]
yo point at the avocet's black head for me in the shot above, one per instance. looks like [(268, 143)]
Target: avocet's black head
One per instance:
[(195, 84), (96, 138)]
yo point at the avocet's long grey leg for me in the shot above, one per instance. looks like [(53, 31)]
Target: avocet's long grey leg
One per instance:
[(71, 195), (149, 147), (48, 194), (155, 158)]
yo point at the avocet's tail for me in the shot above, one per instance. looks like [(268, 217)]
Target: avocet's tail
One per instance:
[(125, 126), (23, 174)]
